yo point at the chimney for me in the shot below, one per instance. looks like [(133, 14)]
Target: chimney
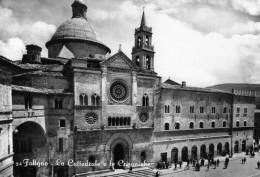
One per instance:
[(183, 84), (33, 55)]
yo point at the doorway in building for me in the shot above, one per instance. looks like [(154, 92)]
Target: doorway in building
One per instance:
[(27, 137), (203, 153), (194, 153), (211, 150), (164, 157), (244, 146), (236, 147), (174, 155), (219, 149), (184, 154), (119, 155), (226, 148)]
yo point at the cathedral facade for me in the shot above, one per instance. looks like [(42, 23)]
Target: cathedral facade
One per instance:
[(99, 108)]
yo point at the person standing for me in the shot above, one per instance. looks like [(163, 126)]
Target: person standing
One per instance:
[(258, 164)]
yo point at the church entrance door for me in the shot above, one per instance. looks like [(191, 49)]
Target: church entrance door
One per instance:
[(119, 155)]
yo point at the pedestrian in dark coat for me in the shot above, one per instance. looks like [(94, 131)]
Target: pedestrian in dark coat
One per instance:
[(258, 164)]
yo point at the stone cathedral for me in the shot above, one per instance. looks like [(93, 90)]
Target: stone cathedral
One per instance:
[(101, 108)]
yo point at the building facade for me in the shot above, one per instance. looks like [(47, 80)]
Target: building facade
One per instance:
[(95, 107)]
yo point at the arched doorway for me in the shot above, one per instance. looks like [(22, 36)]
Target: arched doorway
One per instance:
[(211, 150), (28, 138), (194, 152), (236, 148), (174, 155), (143, 156), (244, 146), (184, 154), (219, 149), (226, 148), (203, 153), (119, 155)]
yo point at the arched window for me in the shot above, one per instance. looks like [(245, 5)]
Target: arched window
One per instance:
[(121, 121), (148, 62), (201, 125), (167, 108), (128, 121), (117, 121), (213, 124), (139, 40), (178, 109), (237, 123), (137, 61), (95, 100), (145, 100), (224, 124), (125, 121), (147, 41), (177, 125), (113, 121), (81, 99), (245, 123), (166, 126), (109, 121), (225, 110), (191, 125)]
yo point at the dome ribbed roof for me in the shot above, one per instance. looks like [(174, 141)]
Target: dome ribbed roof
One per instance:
[(75, 28)]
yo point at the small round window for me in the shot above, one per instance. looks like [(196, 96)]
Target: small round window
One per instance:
[(91, 117)]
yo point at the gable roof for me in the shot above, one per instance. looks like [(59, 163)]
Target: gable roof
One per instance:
[(119, 56), (171, 82)]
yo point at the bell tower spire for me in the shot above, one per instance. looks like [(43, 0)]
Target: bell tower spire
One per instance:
[(143, 21), (143, 51)]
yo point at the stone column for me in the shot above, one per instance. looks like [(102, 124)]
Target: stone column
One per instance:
[(134, 88)]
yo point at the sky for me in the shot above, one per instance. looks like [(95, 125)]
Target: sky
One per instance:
[(202, 42)]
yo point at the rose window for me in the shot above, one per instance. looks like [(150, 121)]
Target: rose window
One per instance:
[(144, 117), (91, 117), (119, 91)]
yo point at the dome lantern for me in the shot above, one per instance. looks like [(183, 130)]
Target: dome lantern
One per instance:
[(79, 9)]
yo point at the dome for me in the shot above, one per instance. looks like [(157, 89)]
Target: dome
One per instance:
[(75, 28)]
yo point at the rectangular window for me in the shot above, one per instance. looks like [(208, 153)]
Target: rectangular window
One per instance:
[(62, 123), (245, 110), (58, 104), (238, 110), (60, 144), (191, 109), (213, 110), (201, 109)]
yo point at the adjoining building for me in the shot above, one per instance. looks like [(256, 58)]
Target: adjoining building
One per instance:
[(94, 107)]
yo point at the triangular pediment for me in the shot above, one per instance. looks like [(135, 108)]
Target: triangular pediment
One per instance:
[(119, 60)]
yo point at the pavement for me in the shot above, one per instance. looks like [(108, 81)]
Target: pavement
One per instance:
[(235, 169)]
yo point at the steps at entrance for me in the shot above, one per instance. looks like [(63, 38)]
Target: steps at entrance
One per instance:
[(137, 173)]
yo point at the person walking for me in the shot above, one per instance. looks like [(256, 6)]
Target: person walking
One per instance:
[(258, 164), (217, 162), (244, 160), (157, 174)]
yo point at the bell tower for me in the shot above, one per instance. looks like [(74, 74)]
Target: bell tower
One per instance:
[(143, 51)]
